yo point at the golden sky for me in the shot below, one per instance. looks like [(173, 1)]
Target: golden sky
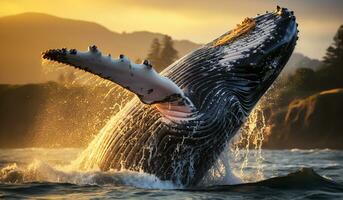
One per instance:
[(199, 20)]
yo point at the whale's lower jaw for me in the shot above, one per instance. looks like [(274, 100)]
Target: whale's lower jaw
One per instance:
[(223, 80), (181, 152)]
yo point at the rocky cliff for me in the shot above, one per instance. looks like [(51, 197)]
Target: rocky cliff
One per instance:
[(312, 122)]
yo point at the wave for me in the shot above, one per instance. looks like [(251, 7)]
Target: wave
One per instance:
[(39, 172), (303, 179)]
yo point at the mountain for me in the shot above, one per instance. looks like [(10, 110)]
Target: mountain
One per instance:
[(298, 60), (23, 37)]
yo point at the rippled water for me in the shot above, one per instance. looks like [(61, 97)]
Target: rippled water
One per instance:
[(49, 174)]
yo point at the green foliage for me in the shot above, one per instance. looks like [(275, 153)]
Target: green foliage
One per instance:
[(306, 81), (302, 78), (154, 53), (168, 53), (162, 55), (334, 54)]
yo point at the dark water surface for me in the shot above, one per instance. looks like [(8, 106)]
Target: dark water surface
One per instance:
[(37, 173)]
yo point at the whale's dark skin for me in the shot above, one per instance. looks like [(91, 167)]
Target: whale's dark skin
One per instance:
[(223, 80)]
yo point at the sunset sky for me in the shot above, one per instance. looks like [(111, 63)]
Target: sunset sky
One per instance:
[(199, 21)]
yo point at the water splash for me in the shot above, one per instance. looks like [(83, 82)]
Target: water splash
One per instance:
[(237, 153), (251, 136), (39, 171), (242, 160), (89, 103), (221, 172), (98, 147), (250, 139)]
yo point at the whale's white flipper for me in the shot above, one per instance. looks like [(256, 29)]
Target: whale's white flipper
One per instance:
[(140, 79)]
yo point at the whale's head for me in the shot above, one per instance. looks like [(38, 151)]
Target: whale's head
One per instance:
[(244, 61)]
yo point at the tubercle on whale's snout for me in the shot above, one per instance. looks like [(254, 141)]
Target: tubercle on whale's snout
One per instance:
[(54, 54), (284, 12), (248, 25), (60, 54)]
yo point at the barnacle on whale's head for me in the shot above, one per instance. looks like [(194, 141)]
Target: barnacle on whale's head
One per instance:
[(245, 27)]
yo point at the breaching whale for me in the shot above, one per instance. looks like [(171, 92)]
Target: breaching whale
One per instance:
[(182, 119)]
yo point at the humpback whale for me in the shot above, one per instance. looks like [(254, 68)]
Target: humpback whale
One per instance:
[(182, 119)]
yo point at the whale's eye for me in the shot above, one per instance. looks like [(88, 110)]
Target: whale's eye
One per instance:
[(245, 27)]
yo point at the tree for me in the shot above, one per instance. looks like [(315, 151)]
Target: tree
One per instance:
[(168, 53), (154, 54), (327, 77), (331, 75), (334, 54), (303, 78)]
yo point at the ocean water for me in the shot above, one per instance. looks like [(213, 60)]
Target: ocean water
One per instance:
[(38, 173)]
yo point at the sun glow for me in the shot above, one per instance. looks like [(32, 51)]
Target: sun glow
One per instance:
[(196, 21)]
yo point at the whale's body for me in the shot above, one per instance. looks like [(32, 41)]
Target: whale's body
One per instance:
[(222, 80)]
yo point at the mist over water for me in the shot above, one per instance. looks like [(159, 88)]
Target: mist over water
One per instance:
[(49, 173)]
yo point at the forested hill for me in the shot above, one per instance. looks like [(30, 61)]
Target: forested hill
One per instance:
[(23, 37)]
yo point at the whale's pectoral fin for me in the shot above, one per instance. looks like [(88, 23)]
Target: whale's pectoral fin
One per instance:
[(140, 79)]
